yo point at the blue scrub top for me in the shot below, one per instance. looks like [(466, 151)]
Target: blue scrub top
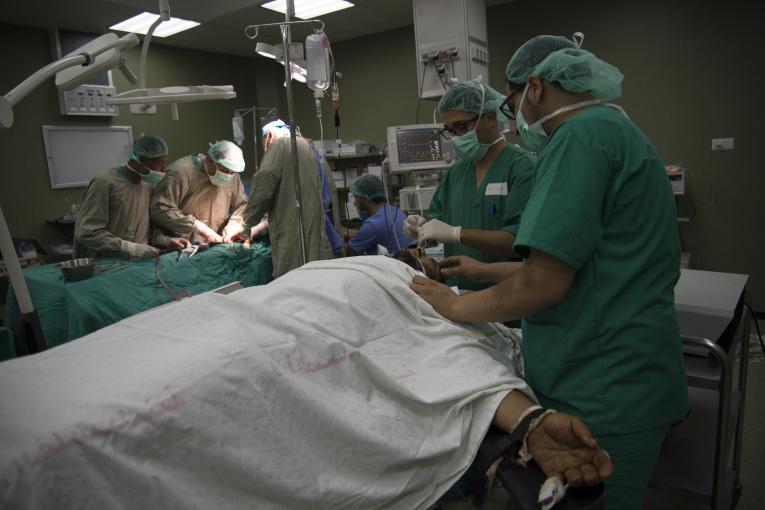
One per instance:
[(385, 227)]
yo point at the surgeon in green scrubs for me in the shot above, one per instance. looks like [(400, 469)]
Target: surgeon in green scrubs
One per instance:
[(477, 206), (602, 256)]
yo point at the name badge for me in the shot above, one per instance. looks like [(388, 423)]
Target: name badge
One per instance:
[(496, 188)]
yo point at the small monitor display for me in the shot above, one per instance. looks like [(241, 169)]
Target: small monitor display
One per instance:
[(419, 145)]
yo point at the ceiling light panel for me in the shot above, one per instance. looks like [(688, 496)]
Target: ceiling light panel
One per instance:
[(308, 9), (140, 25)]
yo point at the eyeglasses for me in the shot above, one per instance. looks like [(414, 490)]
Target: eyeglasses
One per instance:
[(507, 105), (458, 129)]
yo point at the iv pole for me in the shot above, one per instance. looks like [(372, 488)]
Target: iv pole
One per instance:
[(286, 42)]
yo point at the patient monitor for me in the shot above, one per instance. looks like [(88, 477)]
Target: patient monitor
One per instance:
[(420, 150)]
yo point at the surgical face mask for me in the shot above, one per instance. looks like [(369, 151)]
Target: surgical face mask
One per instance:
[(467, 146), (219, 178), (534, 135), (152, 177), (363, 214)]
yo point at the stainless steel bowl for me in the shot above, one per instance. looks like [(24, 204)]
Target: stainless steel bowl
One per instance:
[(78, 269)]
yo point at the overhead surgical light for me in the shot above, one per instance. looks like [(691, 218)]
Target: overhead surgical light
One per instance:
[(269, 50), (298, 72), (141, 23), (307, 9)]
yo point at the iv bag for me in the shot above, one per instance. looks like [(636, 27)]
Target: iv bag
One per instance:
[(317, 62), (238, 126)]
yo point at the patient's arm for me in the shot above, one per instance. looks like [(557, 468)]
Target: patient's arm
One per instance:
[(560, 444)]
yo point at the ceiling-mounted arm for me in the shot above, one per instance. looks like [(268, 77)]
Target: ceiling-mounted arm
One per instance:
[(164, 15), (84, 58)]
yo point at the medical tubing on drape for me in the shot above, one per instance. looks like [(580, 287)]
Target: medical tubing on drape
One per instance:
[(180, 295)]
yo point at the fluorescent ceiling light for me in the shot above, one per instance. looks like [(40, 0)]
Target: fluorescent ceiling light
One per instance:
[(140, 25), (307, 9)]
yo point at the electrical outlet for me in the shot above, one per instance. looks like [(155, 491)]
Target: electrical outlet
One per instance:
[(722, 144)]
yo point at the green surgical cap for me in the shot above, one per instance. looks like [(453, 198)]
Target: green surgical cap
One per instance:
[(556, 59), (148, 147), (368, 186), (465, 96), (227, 154)]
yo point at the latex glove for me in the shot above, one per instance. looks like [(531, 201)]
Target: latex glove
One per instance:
[(209, 234), (562, 444), (259, 229), (437, 230), (231, 231), (412, 224), (178, 243), (140, 251)]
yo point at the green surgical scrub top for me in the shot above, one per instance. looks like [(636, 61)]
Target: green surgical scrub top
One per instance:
[(610, 352), (495, 204)]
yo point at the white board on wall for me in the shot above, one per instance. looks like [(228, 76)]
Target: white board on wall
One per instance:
[(76, 154)]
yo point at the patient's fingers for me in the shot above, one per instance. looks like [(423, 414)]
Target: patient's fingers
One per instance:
[(582, 432), (589, 475), (604, 464)]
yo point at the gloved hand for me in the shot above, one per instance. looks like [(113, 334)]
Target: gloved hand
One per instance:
[(232, 229), (412, 224), (209, 234), (259, 229), (140, 251), (437, 230), (178, 243)]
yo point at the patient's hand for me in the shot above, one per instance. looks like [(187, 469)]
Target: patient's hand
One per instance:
[(437, 294), (563, 444)]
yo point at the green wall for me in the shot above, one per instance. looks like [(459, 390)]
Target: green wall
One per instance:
[(692, 73), (25, 193)]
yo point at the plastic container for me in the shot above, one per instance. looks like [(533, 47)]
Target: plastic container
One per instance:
[(317, 62)]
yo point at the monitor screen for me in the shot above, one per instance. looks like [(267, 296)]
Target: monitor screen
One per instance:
[(419, 145)]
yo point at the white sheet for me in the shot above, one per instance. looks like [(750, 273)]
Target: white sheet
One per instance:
[(333, 387)]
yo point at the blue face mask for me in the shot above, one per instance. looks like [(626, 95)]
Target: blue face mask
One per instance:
[(534, 136), (363, 214)]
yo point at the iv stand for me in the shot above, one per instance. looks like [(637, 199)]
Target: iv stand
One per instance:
[(287, 41)]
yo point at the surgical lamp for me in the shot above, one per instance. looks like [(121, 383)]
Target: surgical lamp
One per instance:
[(142, 100)]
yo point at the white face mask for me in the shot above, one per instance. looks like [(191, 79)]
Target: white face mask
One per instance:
[(534, 135), (219, 178), (152, 177)]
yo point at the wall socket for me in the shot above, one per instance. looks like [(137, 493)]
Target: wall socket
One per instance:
[(722, 144)]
